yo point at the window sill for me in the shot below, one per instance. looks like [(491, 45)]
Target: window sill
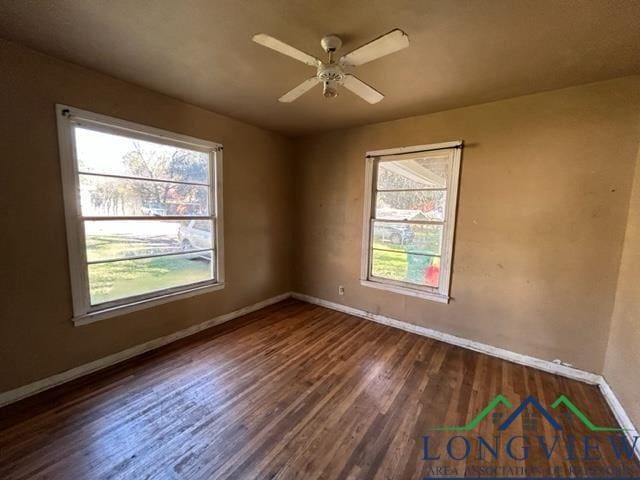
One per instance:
[(413, 292), (98, 315)]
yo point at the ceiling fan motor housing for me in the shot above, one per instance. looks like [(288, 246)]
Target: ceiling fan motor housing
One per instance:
[(330, 43), (330, 73)]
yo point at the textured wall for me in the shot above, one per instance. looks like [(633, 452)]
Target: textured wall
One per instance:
[(623, 353), (545, 188), (543, 200), (37, 336)]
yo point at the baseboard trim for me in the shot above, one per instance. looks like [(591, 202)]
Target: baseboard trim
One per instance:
[(544, 365), (618, 410), (38, 386), (620, 413)]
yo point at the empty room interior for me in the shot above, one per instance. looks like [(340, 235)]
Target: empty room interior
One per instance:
[(279, 239)]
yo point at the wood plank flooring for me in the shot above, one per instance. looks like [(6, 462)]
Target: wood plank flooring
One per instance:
[(289, 392)]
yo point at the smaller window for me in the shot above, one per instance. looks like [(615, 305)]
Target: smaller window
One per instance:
[(143, 212), (409, 219)]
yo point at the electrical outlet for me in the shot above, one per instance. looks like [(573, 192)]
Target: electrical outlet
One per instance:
[(340, 290)]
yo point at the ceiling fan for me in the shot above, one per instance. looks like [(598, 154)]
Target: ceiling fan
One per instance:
[(333, 73)]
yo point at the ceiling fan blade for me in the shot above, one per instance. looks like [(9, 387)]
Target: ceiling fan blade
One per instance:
[(388, 43), (301, 89), (361, 89), (281, 47)]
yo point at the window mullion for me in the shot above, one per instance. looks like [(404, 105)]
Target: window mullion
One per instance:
[(123, 218), (143, 179), (144, 257)]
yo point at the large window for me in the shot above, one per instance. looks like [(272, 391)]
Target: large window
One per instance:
[(409, 219), (143, 213)]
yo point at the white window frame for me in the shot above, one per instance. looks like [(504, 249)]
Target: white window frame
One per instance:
[(83, 312), (441, 293)]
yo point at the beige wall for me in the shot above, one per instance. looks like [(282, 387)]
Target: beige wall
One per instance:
[(623, 352), (543, 200), (37, 337), (544, 194)]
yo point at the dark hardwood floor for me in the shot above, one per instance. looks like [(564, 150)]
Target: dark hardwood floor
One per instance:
[(294, 391)]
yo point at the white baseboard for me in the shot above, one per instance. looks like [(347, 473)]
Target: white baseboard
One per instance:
[(620, 413), (544, 365), (77, 372)]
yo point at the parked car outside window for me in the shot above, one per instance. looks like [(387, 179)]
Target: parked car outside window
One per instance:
[(395, 234)]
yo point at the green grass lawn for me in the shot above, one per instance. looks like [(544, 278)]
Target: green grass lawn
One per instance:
[(397, 265), (126, 278), (389, 264), (110, 281), (102, 247)]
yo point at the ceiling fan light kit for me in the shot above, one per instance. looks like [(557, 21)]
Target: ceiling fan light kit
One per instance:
[(332, 74)]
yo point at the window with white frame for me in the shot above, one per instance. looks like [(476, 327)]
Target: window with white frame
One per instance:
[(143, 212), (409, 219)]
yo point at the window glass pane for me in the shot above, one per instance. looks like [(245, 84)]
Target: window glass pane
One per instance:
[(406, 267), (108, 153), (127, 278), (415, 205), (431, 172), (105, 196), (405, 237), (108, 239)]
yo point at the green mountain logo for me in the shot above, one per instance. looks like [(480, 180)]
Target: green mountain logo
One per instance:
[(561, 400)]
